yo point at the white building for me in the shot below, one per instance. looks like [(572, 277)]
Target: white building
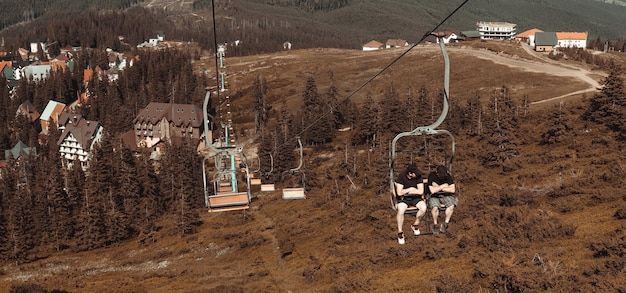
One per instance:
[(373, 45), (496, 30), (77, 141), (572, 39)]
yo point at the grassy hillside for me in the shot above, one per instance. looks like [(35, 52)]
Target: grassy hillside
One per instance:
[(551, 220)]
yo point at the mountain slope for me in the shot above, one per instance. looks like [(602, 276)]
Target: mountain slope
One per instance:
[(553, 221), (411, 19), (349, 24)]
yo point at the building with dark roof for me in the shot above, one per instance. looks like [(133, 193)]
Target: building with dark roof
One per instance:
[(164, 122), (545, 41), (78, 139)]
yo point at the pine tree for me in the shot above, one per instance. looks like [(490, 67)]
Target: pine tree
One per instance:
[(318, 120), (558, 127), (472, 116), (261, 108), (608, 106), (267, 147), (394, 117), (58, 205), (100, 215), (501, 127), (150, 209), (284, 158), (331, 100), (128, 192), (368, 125), (180, 177), (74, 182), (18, 226)]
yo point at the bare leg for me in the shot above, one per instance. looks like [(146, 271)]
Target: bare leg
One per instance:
[(421, 210), (449, 212), (435, 212), (400, 216)]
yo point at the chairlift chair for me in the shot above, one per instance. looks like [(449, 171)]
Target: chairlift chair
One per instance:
[(227, 194), (295, 192), (255, 179), (424, 131), (269, 187)]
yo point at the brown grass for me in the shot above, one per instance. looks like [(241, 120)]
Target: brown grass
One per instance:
[(549, 225)]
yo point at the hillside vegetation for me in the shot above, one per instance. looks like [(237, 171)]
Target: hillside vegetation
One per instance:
[(538, 167), (263, 25), (542, 203)]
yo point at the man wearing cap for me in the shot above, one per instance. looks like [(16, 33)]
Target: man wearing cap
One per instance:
[(441, 187), (409, 189)]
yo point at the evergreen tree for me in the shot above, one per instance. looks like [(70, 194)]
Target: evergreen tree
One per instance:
[(18, 225), (261, 107), (557, 127), (150, 208), (58, 214), (318, 121), (501, 127), (101, 217), (74, 182), (128, 191), (332, 105), (472, 116), (454, 119), (4, 236), (180, 177), (608, 106), (266, 152), (394, 117), (284, 158), (91, 224), (411, 108), (368, 125)]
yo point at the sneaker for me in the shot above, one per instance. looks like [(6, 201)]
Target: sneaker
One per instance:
[(416, 231), (444, 227), (401, 238), (435, 230)]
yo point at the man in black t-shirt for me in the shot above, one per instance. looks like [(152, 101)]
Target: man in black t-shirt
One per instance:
[(441, 187), (409, 189)]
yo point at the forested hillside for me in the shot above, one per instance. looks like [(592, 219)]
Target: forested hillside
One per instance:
[(537, 210), (540, 180), (263, 25), (16, 11)]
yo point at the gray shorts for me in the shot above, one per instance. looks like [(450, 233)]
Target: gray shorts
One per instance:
[(448, 200)]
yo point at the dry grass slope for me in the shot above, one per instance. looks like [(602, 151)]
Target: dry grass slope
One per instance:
[(553, 222)]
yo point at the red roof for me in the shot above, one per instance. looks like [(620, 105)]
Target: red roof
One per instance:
[(571, 35), (373, 44), (528, 33)]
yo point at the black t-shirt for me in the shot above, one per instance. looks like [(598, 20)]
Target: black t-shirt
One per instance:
[(406, 182), (432, 177)]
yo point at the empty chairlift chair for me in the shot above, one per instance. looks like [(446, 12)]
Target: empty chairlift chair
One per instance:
[(255, 178), (228, 194), (269, 187), (295, 192)]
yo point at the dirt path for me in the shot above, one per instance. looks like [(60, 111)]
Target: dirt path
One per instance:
[(543, 65)]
